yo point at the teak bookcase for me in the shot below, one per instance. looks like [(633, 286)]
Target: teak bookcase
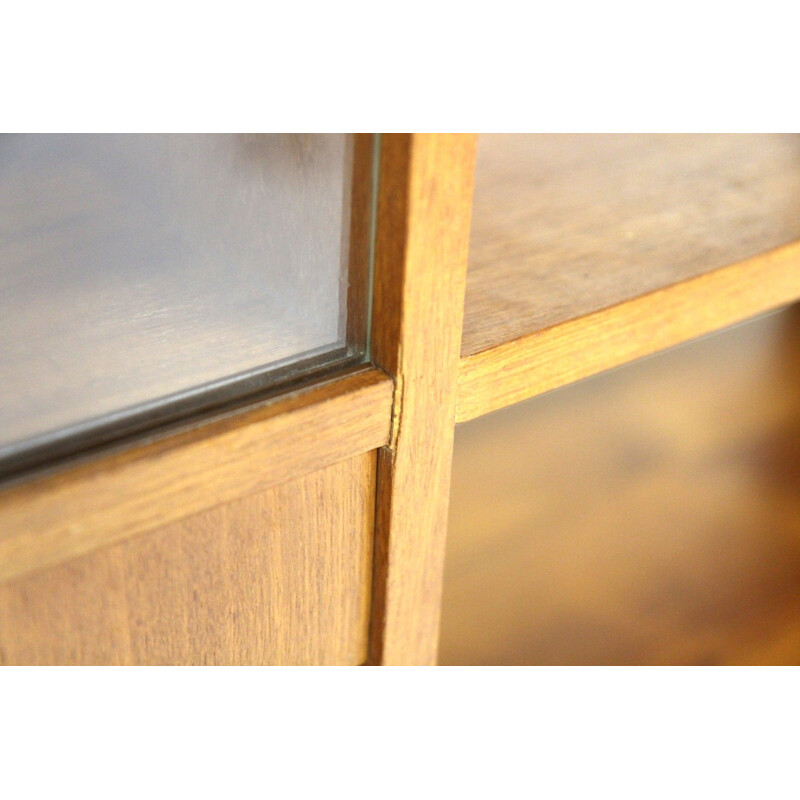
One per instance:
[(309, 527)]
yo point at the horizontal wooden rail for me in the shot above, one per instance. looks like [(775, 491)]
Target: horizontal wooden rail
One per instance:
[(553, 357), (50, 519)]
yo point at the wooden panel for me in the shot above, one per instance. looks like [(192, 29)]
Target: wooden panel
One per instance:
[(280, 577), (423, 228), (647, 516), (51, 519), (565, 353), (566, 225)]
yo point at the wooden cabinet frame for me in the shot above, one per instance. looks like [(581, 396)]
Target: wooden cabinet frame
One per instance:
[(405, 404)]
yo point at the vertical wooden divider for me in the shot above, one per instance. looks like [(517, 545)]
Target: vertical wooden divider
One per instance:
[(424, 214)]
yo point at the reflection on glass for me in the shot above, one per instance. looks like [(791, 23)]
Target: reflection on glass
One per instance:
[(144, 273)]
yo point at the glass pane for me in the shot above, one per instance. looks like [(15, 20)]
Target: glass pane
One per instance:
[(149, 275)]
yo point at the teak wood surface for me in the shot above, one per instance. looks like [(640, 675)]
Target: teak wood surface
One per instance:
[(591, 250), (421, 255), (279, 577), (565, 225), (578, 348), (650, 515)]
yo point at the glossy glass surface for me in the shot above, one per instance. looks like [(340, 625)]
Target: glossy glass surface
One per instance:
[(147, 275)]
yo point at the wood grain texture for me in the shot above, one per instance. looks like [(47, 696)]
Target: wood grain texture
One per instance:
[(51, 519), (650, 515), (423, 228), (565, 225), (280, 577), (575, 349)]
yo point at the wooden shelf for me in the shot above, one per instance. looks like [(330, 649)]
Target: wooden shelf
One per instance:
[(648, 517), (588, 251)]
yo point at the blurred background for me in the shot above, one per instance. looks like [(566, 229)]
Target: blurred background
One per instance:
[(649, 515)]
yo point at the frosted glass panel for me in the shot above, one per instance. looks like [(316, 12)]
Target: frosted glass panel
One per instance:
[(143, 273)]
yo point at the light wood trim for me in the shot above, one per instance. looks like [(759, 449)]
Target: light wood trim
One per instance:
[(424, 206), (65, 515), (559, 355)]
